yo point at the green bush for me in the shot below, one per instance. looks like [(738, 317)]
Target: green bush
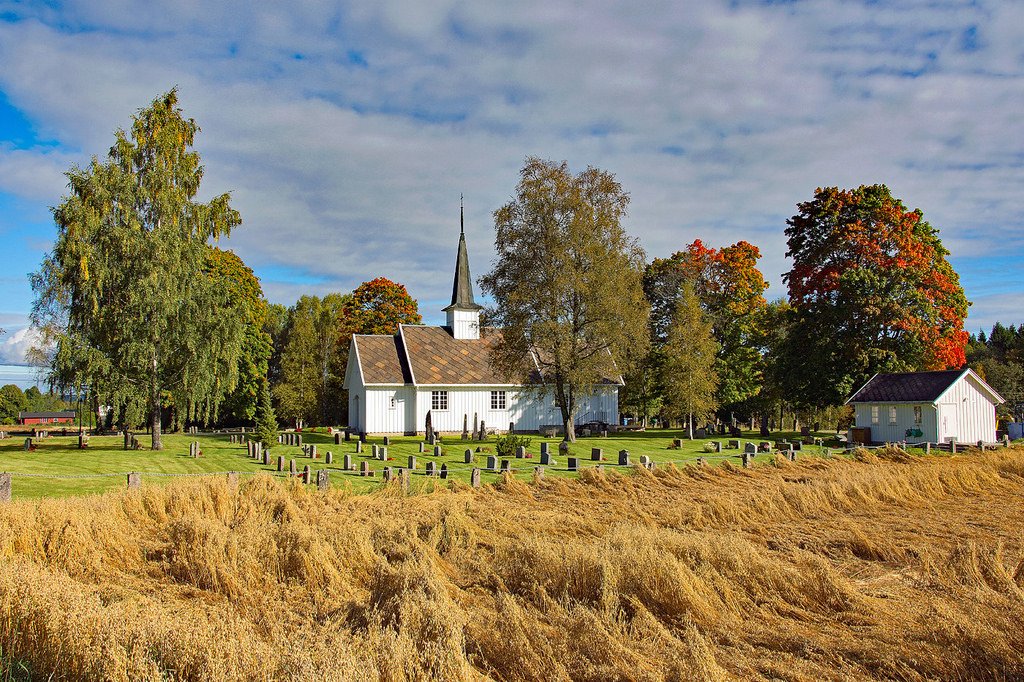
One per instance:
[(507, 444)]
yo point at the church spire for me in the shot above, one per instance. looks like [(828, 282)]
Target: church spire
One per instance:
[(463, 312)]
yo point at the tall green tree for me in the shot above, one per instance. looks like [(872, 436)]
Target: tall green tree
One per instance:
[(233, 276), (871, 291), (688, 371), (730, 290), (566, 284), (124, 293), (312, 361)]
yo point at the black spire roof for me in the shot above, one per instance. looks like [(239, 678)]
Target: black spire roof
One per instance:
[(462, 287)]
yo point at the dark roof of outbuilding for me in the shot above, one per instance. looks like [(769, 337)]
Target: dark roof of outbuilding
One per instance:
[(913, 387)]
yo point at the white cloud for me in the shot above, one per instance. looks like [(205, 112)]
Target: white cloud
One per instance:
[(15, 344), (717, 117)]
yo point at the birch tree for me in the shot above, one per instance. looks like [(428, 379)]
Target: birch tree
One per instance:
[(123, 294), (566, 284)]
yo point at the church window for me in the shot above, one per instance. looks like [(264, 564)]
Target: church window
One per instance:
[(439, 400), (498, 400)]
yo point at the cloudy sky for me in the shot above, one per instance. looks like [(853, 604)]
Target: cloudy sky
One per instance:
[(346, 132)]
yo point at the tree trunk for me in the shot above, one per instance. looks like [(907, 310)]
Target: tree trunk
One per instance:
[(689, 426), (764, 426), (154, 406), (566, 403)]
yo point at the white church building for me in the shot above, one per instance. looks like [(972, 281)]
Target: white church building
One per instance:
[(392, 381)]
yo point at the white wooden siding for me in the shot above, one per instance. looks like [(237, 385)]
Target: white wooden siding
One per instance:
[(886, 432), (970, 410)]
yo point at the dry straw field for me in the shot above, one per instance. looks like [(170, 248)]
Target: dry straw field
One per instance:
[(881, 567)]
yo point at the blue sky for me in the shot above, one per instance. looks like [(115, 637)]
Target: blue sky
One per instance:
[(346, 133)]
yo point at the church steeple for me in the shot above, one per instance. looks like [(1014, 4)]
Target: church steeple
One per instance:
[(464, 312)]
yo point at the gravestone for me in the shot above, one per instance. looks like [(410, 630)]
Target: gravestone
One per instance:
[(359, 446), (5, 487), (280, 462), (563, 447), (83, 442), (362, 436), (492, 463), (511, 427), (538, 473), (677, 443), (574, 464), (134, 480), (28, 444), (422, 447), (544, 448), (431, 468), (444, 470), (644, 460), (266, 458), (798, 446), (386, 474), (375, 451), (312, 452), (701, 433), (805, 431), (624, 458), (364, 468), (437, 451), (749, 448), (791, 456), (329, 459), (927, 448), (403, 479), (599, 468), (387, 440), (596, 454), (701, 461), (468, 456), (506, 465), (520, 452), (604, 434), (747, 457), (346, 462), (465, 427), (291, 467), (734, 445), (412, 461), (323, 481), (337, 438), (716, 445), (348, 436), (585, 433), (474, 478), (483, 431), (545, 458), (765, 446), (383, 453), (952, 446), (981, 445)]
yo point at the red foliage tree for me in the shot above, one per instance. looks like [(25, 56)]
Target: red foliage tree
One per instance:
[(871, 291), (378, 307)]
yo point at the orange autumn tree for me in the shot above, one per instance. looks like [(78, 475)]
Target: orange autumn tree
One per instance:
[(378, 307), (871, 291)]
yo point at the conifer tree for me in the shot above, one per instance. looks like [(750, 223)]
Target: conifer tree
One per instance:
[(688, 371)]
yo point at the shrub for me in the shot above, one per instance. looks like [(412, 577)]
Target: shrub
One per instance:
[(507, 444)]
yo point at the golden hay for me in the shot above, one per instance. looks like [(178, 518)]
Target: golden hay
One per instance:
[(879, 567)]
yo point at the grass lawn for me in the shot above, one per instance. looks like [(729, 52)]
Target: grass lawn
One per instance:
[(58, 468)]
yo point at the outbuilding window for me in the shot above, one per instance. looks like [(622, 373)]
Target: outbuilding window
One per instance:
[(892, 414), (439, 400), (874, 414), (918, 417)]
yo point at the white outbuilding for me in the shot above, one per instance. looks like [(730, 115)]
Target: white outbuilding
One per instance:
[(934, 407), (394, 380)]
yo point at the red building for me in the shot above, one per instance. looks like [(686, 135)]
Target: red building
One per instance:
[(66, 417)]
